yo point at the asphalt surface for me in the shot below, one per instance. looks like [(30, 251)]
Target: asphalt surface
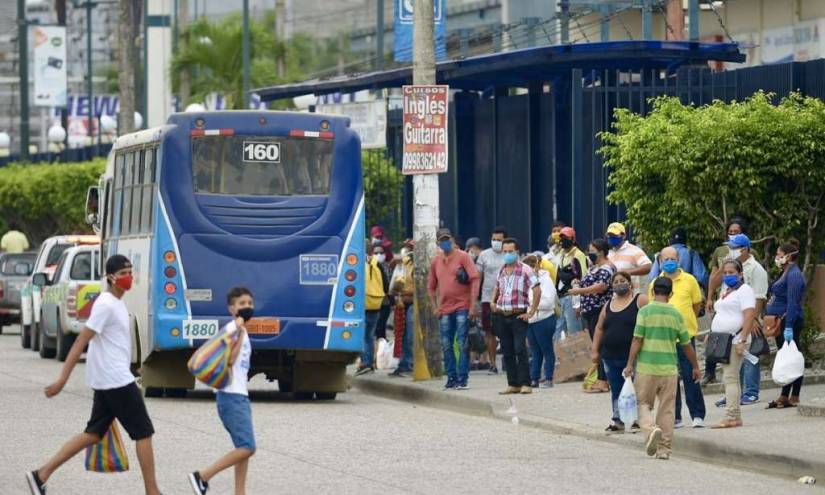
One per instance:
[(357, 444)]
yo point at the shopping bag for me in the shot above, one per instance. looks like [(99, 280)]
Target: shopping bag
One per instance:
[(788, 365), (210, 363), (628, 410), (108, 455), (384, 359), (591, 378)]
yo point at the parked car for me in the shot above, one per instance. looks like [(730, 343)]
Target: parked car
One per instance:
[(15, 270), (30, 296), (67, 299)]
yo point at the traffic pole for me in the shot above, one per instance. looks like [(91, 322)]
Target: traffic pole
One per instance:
[(23, 66)]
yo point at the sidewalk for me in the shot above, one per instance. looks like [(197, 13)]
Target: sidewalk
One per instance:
[(779, 442)]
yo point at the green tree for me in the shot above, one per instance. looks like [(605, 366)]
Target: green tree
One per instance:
[(383, 183)]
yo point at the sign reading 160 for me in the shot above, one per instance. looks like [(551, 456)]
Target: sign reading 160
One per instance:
[(261, 152)]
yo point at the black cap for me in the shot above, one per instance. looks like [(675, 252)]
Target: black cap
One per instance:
[(678, 236), (117, 262), (472, 241), (663, 286), (443, 234)]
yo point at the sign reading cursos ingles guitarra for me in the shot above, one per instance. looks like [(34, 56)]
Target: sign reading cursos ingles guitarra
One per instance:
[(425, 129)]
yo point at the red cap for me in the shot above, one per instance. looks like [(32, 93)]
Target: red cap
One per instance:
[(568, 232)]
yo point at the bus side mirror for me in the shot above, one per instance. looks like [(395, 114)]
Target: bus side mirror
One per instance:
[(93, 206)]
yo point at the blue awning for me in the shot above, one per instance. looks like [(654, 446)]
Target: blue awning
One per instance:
[(519, 68)]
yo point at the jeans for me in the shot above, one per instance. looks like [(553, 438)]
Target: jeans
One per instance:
[(614, 367), (406, 362), (568, 322), (693, 391), (454, 328), (512, 332), (750, 376), (370, 322), (540, 336)]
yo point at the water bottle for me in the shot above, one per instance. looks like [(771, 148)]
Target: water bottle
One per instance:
[(577, 300), (750, 357)]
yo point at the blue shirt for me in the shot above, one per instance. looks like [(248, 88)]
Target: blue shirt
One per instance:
[(689, 261), (787, 295)]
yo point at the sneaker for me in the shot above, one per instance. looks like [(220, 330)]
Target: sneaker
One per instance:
[(450, 385), (493, 371), (653, 441), (199, 486), (748, 400), (708, 379), (534, 384), (36, 486), (698, 423), (678, 424), (721, 402), (634, 428), (663, 456), (526, 390), (363, 370), (546, 384), (462, 386), (614, 428)]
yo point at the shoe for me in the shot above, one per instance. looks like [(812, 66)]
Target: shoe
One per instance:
[(493, 371), (546, 384), (483, 366), (663, 456), (534, 384), (462, 386), (708, 379), (526, 390), (678, 424), (199, 486), (363, 370), (398, 373), (748, 400), (510, 390), (634, 428), (653, 441), (721, 402), (36, 486), (450, 385), (698, 423), (614, 428)]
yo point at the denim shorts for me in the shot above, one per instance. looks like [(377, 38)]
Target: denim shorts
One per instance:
[(236, 416)]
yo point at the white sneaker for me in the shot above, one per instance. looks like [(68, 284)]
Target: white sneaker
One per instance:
[(678, 424), (698, 423)]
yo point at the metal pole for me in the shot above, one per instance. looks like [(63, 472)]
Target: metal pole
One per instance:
[(379, 36), (89, 89), (245, 54), (693, 15), (647, 20), (23, 66), (565, 22), (605, 25)]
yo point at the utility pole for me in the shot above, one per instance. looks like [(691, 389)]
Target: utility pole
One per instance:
[(89, 90), (425, 210), (184, 84), (379, 35), (245, 54), (280, 22), (60, 7), (127, 60), (23, 66)]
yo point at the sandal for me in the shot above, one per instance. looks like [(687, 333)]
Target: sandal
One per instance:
[(793, 401), (728, 423), (780, 403)]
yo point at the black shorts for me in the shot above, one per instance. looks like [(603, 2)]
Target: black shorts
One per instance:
[(124, 403)]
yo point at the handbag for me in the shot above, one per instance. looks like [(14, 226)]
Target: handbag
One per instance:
[(108, 455), (759, 345), (773, 325), (210, 363), (718, 347)]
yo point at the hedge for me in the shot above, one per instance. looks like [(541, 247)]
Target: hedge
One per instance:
[(43, 200)]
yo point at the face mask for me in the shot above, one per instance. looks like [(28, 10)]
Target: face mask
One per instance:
[(380, 257), (731, 236), (474, 255), (734, 254), (510, 258), (446, 246), (670, 266), (614, 241), (780, 261), (496, 245), (621, 289), (593, 257), (731, 280), (566, 243), (556, 236), (124, 282), (245, 313)]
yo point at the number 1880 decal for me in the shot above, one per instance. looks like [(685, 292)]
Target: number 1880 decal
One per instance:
[(261, 152)]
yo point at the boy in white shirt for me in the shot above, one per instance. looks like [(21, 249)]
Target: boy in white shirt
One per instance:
[(233, 400), (108, 373)]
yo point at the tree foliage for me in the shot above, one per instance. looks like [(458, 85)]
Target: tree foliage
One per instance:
[(383, 183)]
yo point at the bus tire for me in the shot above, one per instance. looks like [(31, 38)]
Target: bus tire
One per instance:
[(302, 395), (326, 395), (175, 393), (44, 351), (153, 392), (35, 337), (64, 344), (25, 332)]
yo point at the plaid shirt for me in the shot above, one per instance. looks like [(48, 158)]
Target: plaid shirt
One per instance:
[(514, 289)]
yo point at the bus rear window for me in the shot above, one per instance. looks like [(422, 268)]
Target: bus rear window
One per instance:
[(261, 165)]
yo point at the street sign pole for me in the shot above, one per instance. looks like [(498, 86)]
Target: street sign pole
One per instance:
[(23, 65)]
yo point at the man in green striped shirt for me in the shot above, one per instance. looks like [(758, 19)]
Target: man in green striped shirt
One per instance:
[(659, 329)]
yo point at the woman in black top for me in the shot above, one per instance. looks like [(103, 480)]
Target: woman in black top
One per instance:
[(613, 337)]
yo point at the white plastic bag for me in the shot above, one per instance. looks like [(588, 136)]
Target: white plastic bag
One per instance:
[(383, 360), (788, 365), (628, 411)]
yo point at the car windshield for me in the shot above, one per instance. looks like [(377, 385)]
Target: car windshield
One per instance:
[(9, 264), (55, 253)]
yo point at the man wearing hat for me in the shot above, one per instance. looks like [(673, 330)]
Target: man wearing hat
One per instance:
[(453, 285), (689, 260), (625, 256)]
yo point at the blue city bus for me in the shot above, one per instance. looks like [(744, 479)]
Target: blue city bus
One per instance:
[(273, 201)]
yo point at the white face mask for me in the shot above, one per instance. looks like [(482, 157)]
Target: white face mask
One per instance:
[(380, 257), (496, 245), (734, 254)]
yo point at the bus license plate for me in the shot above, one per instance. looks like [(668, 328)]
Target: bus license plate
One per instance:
[(318, 269), (200, 329), (271, 327)]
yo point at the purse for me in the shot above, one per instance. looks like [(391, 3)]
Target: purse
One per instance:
[(718, 347), (759, 345), (773, 325)]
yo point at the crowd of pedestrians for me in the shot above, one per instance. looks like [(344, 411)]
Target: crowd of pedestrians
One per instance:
[(642, 316)]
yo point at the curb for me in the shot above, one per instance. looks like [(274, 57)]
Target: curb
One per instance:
[(811, 411), (693, 448), (766, 384)]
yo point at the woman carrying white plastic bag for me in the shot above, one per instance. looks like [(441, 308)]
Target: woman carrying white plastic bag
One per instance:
[(789, 364), (627, 406)]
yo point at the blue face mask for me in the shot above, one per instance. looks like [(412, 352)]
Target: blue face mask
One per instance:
[(615, 241), (510, 258), (670, 266), (731, 280), (446, 246)]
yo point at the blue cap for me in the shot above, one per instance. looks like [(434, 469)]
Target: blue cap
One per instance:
[(740, 241)]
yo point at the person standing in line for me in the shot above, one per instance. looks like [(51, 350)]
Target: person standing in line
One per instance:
[(627, 257), (233, 404), (380, 254), (541, 327), (687, 298), (570, 272), (595, 293), (554, 249), (512, 310), (108, 373), (403, 288), (659, 332), (689, 260), (787, 298), (453, 286), (376, 293), (378, 236), (489, 264), (613, 338)]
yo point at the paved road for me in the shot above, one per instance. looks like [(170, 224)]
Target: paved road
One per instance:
[(357, 444)]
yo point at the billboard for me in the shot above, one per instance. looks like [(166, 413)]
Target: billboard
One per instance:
[(425, 129), (368, 119), (403, 29), (49, 64)]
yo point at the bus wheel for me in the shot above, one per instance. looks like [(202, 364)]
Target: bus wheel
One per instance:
[(302, 395), (325, 395), (25, 332), (153, 392)]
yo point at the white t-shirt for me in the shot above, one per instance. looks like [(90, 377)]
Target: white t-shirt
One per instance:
[(240, 370), (489, 264), (547, 303), (110, 351), (729, 318)]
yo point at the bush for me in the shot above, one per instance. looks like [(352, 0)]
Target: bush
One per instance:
[(48, 199)]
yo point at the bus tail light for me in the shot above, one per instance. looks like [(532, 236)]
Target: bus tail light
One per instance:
[(352, 259), (212, 132), (312, 134), (171, 304), (350, 275), (349, 291), (170, 272), (71, 302), (349, 306), (169, 257), (170, 288)]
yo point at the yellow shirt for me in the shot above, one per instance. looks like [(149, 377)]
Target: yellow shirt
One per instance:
[(551, 269), (686, 293), (14, 242)]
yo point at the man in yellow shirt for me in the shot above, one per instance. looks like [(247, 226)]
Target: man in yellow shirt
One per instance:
[(14, 241), (687, 298)]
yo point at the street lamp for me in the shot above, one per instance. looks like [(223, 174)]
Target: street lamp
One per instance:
[(56, 136)]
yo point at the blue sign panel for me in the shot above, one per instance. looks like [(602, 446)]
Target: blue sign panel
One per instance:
[(404, 29), (318, 269)]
